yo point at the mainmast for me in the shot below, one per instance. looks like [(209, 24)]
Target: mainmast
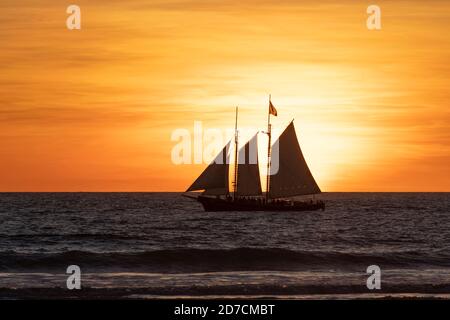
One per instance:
[(269, 133), (235, 182)]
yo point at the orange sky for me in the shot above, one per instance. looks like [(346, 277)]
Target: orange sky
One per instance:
[(93, 110)]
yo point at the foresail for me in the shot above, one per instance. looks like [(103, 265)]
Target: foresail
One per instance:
[(293, 177), (214, 179), (249, 182)]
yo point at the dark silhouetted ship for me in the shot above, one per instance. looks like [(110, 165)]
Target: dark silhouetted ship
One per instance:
[(290, 178)]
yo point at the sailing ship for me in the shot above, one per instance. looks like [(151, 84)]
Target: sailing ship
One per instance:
[(291, 179)]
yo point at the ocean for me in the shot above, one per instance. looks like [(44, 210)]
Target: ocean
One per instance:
[(161, 245)]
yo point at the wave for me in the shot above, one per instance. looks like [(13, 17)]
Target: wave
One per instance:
[(71, 236), (238, 291), (210, 260)]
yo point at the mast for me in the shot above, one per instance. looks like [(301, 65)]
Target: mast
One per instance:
[(269, 133), (235, 182)]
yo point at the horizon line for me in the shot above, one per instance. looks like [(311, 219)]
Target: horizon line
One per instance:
[(200, 192)]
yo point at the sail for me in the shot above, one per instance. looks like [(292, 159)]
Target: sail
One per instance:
[(293, 177), (214, 179), (248, 182)]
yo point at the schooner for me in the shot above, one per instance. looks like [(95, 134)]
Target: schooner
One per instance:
[(293, 177)]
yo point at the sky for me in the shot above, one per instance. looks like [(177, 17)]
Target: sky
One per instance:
[(95, 109)]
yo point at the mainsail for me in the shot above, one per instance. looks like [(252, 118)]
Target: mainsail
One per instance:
[(214, 179), (293, 177), (249, 182)]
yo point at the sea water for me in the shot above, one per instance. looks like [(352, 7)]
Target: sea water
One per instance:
[(153, 245)]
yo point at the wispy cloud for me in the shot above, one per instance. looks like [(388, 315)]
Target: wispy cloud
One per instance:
[(99, 104)]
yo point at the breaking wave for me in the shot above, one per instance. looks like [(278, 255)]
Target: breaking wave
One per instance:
[(201, 260)]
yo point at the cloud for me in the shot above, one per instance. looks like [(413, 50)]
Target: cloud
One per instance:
[(139, 69)]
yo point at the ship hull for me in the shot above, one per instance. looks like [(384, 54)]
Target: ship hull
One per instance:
[(217, 204)]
